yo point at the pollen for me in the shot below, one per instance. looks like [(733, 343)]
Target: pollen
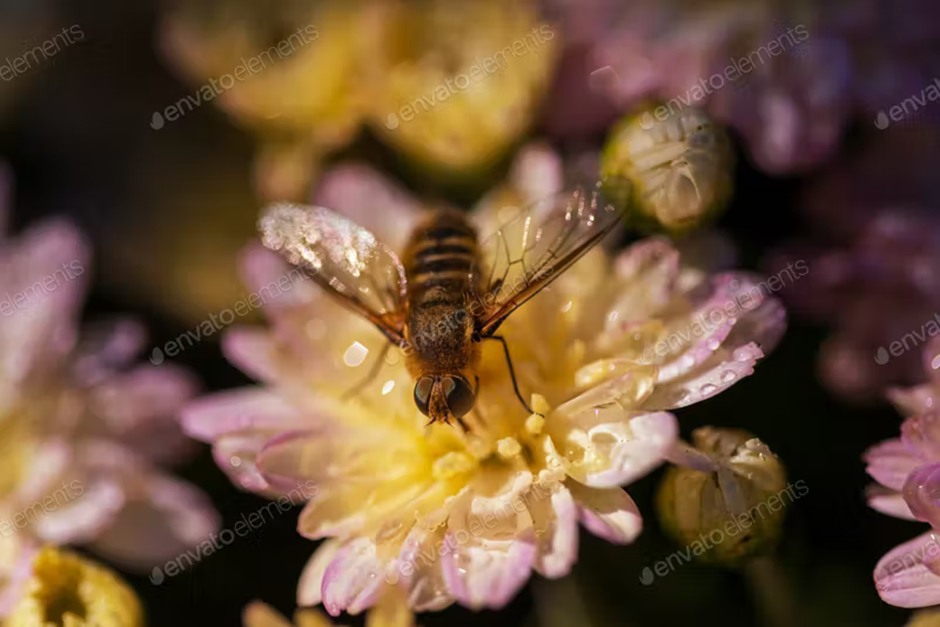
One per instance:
[(534, 424), (452, 464), (508, 448)]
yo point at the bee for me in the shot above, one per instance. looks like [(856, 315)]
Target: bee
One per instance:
[(449, 291)]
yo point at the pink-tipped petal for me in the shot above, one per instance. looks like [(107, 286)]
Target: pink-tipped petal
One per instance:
[(250, 409), (919, 399), (275, 284), (902, 577), (706, 381), (253, 351), (638, 446), (556, 516), (84, 513), (488, 575), (162, 518), (890, 463), (420, 570), (921, 434), (107, 347), (888, 501), (309, 589), (354, 579), (608, 513), (141, 408)]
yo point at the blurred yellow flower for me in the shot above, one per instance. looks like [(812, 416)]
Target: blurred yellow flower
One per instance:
[(461, 82), (66, 590)]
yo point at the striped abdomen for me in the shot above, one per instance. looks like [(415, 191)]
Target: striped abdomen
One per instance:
[(438, 260)]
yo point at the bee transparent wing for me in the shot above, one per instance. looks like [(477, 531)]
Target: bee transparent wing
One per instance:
[(342, 257), (534, 247)]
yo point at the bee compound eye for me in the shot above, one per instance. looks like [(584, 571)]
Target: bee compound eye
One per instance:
[(423, 393), (460, 396)]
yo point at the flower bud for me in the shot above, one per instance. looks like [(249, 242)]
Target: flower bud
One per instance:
[(68, 590), (681, 169), (460, 82), (727, 500)]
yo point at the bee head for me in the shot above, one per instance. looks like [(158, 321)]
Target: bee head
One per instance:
[(441, 396)]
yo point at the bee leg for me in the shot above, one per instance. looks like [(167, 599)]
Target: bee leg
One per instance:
[(373, 373), (512, 373)]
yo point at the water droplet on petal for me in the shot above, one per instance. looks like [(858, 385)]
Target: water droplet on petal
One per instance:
[(355, 354), (713, 343), (728, 376), (707, 389)]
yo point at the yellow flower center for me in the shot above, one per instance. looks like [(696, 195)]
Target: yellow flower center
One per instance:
[(69, 591)]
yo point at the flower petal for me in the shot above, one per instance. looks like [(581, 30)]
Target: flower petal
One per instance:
[(253, 351), (888, 501), (890, 463), (141, 409), (309, 588), (608, 513), (354, 579), (420, 568), (250, 409), (921, 435), (710, 379), (488, 575), (555, 516), (915, 400), (82, 519), (606, 447), (902, 577), (42, 329)]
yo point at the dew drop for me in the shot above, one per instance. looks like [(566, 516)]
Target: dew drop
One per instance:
[(389, 385), (728, 376), (707, 389), (355, 355), (713, 343)]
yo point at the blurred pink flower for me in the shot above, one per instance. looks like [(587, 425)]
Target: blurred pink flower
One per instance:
[(813, 66), (908, 471), (453, 517), (81, 428), (873, 257)]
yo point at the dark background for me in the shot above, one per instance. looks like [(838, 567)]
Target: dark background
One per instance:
[(79, 140)]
